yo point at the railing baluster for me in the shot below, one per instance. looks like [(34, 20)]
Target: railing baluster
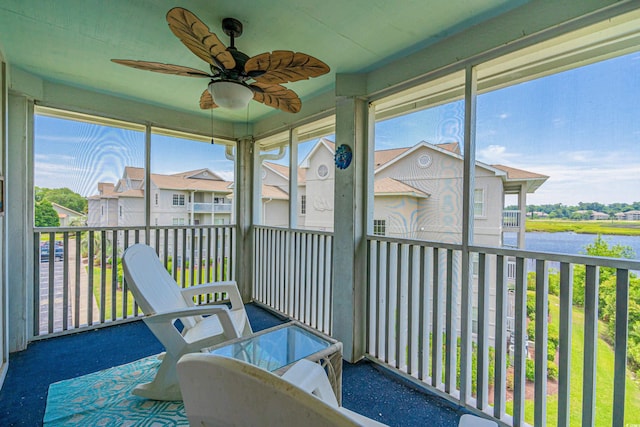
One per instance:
[(114, 274), (590, 345), (37, 291), (499, 385), (438, 305), (125, 287), (564, 359), (482, 381), (51, 282), (426, 293), (520, 328), (383, 289), (399, 308), (103, 275), (541, 328), (450, 339), (390, 312), (65, 281), (321, 284), (620, 348), (307, 280), (314, 282), (414, 310)]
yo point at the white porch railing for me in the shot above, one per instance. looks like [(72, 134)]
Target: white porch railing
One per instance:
[(76, 286), (199, 207), (292, 270), (511, 219), (418, 305)]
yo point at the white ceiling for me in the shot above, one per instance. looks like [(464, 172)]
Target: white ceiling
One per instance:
[(72, 41)]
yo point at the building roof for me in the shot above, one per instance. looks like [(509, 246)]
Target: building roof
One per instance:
[(515, 177), (381, 157), (131, 193), (182, 182), (134, 173), (513, 173), (64, 211), (284, 171), (273, 192), (392, 187)]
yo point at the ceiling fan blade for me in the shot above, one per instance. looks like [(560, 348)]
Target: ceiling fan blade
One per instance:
[(206, 101), (196, 36), (276, 96), (281, 66), (159, 67)]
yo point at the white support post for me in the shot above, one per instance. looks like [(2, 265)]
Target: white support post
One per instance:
[(19, 217), (467, 231), (353, 129), (522, 208), (293, 179), (244, 199)]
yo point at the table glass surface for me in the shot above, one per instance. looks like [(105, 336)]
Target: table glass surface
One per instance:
[(275, 349)]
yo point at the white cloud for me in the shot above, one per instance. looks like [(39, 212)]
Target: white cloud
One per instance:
[(503, 116), (496, 154)]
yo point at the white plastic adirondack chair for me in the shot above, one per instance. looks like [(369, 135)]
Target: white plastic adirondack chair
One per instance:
[(163, 302), (220, 392)]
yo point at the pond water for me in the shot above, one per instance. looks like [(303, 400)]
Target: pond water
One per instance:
[(570, 243)]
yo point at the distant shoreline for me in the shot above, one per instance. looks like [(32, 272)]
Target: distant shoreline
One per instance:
[(620, 228)]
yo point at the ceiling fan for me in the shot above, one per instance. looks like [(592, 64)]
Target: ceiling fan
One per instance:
[(235, 77)]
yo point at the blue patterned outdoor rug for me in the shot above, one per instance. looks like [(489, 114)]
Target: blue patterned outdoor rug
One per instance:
[(104, 399)]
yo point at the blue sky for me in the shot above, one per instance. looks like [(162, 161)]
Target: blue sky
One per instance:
[(580, 127)]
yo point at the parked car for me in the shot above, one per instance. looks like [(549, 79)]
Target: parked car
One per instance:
[(58, 253)]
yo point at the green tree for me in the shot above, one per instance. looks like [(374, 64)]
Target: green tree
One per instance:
[(45, 215), (601, 248), (62, 196)]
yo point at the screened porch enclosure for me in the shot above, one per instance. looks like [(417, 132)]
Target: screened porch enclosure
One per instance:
[(399, 253)]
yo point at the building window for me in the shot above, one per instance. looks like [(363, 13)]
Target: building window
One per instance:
[(120, 207), (323, 171), (478, 203), (178, 221), (475, 264), (156, 199), (102, 210), (303, 204), (178, 200), (379, 227)]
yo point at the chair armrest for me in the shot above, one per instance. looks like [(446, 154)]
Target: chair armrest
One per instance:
[(222, 311), (229, 287), (312, 378)]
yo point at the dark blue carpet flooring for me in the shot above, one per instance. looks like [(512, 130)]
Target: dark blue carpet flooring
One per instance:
[(367, 389)]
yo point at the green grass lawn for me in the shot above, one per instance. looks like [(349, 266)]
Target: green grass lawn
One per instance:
[(604, 379), (108, 292), (119, 294), (625, 228)]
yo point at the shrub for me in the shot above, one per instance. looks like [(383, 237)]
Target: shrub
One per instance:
[(530, 370), (510, 381), (551, 351), (531, 305), (552, 371), (554, 335), (531, 330)]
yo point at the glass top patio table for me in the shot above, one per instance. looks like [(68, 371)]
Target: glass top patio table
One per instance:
[(274, 348)]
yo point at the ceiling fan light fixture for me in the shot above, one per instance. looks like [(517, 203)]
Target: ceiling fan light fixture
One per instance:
[(230, 94)]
